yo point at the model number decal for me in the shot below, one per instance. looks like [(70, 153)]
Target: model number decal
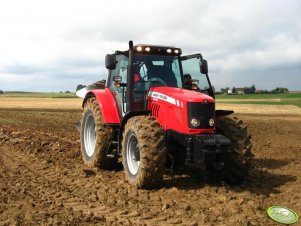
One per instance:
[(160, 96), (166, 98)]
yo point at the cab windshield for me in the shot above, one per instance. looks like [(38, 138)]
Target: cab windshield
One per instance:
[(154, 70)]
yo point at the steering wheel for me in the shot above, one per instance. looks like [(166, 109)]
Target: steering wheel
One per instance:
[(155, 82)]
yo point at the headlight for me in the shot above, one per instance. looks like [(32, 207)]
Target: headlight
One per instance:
[(211, 122), (195, 122), (139, 48), (168, 50)]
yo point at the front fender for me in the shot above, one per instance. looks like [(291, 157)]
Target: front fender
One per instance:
[(107, 105)]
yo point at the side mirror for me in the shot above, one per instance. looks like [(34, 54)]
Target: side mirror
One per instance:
[(117, 80), (204, 67), (110, 61), (195, 82)]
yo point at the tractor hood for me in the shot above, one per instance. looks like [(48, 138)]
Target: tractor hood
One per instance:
[(178, 96)]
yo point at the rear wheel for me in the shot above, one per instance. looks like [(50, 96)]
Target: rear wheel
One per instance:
[(235, 167), (143, 152), (96, 137)]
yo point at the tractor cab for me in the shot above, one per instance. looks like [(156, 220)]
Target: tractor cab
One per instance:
[(134, 72)]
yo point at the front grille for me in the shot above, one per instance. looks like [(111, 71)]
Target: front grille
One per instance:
[(202, 111)]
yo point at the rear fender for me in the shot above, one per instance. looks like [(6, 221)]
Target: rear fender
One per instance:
[(107, 105)]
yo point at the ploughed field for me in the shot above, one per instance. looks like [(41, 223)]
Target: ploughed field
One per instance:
[(43, 179)]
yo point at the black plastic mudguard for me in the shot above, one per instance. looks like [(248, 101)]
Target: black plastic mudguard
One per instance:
[(223, 112)]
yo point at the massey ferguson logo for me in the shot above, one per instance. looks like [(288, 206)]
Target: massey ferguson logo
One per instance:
[(166, 98), (159, 96)]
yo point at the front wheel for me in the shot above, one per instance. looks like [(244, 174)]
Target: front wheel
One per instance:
[(143, 152), (235, 167)]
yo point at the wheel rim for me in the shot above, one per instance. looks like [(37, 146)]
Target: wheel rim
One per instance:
[(133, 154), (90, 135)]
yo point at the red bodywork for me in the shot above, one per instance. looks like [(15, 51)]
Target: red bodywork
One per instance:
[(107, 105), (169, 106)]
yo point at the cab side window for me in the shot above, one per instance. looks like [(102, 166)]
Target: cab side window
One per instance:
[(120, 70), (123, 70), (119, 92), (192, 67)]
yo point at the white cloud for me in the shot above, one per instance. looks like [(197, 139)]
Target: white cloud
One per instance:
[(64, 42)]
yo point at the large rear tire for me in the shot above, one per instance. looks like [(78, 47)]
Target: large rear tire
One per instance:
[(143, 152), (96, 137), (238, 163)]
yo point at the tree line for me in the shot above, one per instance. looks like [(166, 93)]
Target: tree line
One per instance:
[(251, 90)]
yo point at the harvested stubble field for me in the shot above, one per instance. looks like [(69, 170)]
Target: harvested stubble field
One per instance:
[(44, 181)]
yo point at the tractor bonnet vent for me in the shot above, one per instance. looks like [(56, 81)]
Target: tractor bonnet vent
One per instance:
[(155, 109)]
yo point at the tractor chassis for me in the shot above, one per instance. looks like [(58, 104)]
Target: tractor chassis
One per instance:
[(202, 148)]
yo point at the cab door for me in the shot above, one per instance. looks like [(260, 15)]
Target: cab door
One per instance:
[(119, 91), (197, 68)]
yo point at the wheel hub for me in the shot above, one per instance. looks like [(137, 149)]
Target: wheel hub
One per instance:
[(133, 154), (90, 135)]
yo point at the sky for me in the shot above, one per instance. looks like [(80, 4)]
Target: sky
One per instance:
[(54, 45)]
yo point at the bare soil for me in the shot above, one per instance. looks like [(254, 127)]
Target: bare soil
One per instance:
[(43, 179), (262, 109), (42, 103)]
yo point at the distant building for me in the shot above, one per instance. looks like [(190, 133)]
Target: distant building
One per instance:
[(229, 91), (259, 91), (240, 90)]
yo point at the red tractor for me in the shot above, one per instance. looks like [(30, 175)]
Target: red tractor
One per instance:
[(157, 107)]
